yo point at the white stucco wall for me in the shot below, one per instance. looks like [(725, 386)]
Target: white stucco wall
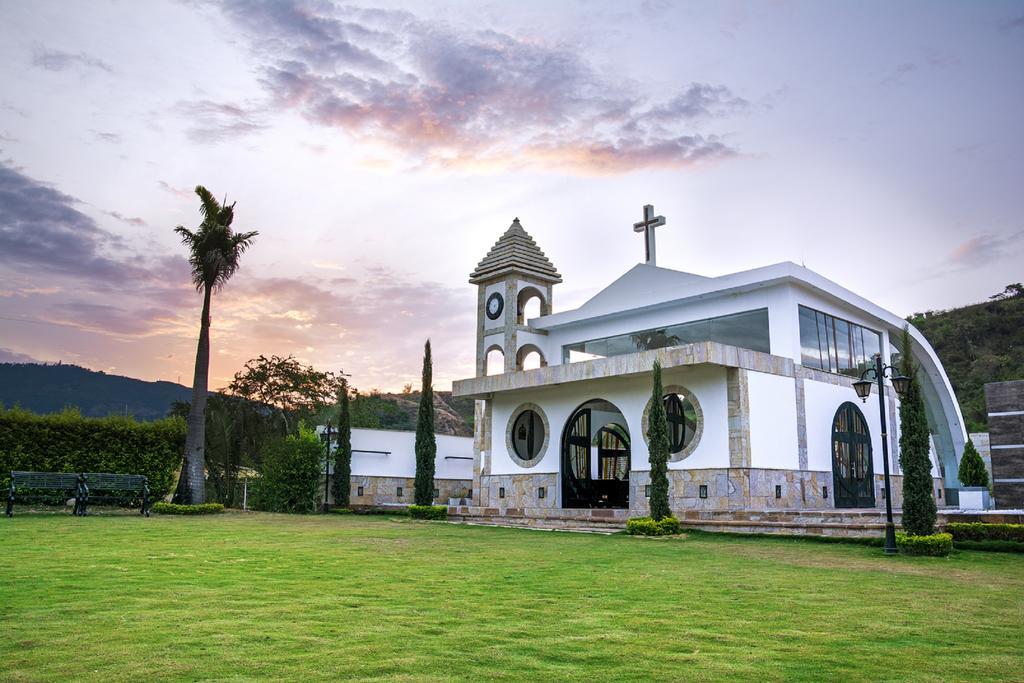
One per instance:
[(773, 438), (823, 400), (630, 396), (454, 454)]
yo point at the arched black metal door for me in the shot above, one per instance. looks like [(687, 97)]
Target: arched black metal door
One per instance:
[(577, 485), (853, 475), (611, 488)]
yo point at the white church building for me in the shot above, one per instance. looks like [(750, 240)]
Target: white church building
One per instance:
[(758, 369)]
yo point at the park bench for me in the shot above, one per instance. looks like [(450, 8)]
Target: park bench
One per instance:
[(104, 486), (48, 481), (88, 486)]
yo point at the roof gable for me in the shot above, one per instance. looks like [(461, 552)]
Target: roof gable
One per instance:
[(638, 286)]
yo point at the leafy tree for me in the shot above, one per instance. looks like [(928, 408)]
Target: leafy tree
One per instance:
[(343, 454), (295, 390), (657, 438), (426, 443), (237, 430), (215, 254), (918, 504), (972, 470), (291, 472)]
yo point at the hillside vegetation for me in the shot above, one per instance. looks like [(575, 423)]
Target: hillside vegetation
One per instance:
[(47, 389), (978, 344)]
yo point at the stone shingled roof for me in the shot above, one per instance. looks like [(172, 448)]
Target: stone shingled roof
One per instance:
[(515, 252)]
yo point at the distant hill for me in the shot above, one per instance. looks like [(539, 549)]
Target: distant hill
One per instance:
[(51, 388), (978, 344), (376, 410), (45, 388)]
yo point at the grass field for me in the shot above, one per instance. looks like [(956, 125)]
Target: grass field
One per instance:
[(259, 596)]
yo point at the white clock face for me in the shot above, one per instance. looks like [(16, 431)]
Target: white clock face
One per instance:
[(494, 306)]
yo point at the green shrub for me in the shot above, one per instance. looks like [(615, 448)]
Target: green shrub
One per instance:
[(68, 442), (163, 508), (990, 546), (972, 470), (642, 526), (428, 512), (340, 511), (936, 545), (645, 526), (291, 473), (669, 526), (977, 531)]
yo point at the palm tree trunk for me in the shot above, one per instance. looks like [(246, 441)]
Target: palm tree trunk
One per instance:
[(195, 442)]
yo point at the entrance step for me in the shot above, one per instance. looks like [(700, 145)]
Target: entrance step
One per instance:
[(594, 520), (856, 522)]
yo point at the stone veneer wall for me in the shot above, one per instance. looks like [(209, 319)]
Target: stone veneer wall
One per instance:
[(747, 488), (521, 491), (384, 490), (1005, 402), (754, 489), (728, 489)]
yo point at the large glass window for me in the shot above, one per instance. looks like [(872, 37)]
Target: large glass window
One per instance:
[(748, 330), (835, 345)]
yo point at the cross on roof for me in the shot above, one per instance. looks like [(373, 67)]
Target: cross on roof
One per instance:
[(646, 226)]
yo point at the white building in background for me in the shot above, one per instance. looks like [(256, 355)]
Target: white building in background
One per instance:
[(758, 372), (384, 466)]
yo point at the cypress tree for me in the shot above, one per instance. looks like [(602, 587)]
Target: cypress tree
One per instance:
[(342, 488), (658, 445), (918, 504), (972, 470), (426, 444)]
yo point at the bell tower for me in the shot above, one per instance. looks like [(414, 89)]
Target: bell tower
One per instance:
[(512, 273)]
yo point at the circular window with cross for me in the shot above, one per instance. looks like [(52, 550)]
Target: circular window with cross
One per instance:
[(685, 421)]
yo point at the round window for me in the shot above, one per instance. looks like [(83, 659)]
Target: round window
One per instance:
[(682, 421), (685, 421), (528, 435)]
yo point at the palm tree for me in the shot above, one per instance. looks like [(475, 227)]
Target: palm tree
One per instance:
[(215, 251)]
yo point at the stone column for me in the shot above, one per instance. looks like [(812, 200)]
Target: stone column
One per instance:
[(738, 395), (481, 446)]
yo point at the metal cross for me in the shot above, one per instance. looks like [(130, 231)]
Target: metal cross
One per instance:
[(646, 226)]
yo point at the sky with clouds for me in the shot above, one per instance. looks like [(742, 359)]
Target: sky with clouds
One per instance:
[(380, 150)]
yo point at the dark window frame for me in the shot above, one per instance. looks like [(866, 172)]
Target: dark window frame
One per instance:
[(827, 358), (533, 422), (678, 334)]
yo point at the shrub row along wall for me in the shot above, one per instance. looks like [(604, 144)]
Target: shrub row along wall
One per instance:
[(68, 442)]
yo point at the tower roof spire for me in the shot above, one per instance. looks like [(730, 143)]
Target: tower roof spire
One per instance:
[(515, 252)]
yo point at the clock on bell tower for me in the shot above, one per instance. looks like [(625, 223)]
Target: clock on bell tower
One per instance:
[(512, 273)]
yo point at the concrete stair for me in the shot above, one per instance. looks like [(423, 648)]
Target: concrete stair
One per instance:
[(841, 522)]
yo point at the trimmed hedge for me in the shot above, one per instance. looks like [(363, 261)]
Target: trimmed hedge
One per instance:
[(163, 508), (977, 531), (645, 526), (990, 546), (934, 545), (436, 512), (68, 442)]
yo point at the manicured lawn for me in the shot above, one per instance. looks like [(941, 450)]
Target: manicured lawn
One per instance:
[(263, 596)]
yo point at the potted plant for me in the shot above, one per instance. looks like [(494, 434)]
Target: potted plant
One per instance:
[(462, 497), (973, 480)]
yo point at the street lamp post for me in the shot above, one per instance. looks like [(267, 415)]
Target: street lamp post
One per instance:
[(327, 467), (863, 389)]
